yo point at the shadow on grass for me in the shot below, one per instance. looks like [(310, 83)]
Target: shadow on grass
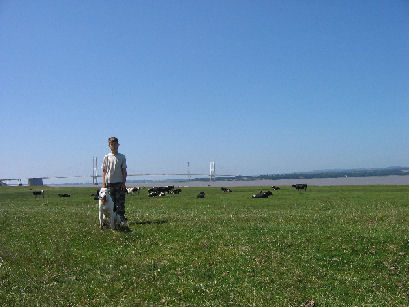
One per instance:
[(124, 229), (149, 222)]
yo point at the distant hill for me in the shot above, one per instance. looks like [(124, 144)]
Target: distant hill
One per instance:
[(336, 173), (329, 173), (333, 173)]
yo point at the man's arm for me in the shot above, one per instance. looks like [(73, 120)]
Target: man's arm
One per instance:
[(104, 172)]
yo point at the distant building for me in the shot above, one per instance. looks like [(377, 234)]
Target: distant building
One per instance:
[(2, 184), (35, 181)]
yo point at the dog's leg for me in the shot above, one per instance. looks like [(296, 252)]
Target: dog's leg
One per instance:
[(112, 221), (117, 221), (101, 219)]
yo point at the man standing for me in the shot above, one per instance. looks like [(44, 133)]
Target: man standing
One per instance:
[(114, 177)]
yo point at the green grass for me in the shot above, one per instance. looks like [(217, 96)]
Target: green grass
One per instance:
[(338, 246)]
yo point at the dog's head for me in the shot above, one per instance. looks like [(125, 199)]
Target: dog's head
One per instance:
[(103, 195)]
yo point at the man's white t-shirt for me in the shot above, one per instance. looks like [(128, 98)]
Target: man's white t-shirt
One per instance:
[(113, 165)]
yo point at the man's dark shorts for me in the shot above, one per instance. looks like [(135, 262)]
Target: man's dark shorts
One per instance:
[(118, 197)]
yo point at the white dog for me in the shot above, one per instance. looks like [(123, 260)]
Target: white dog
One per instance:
[(106, 210)]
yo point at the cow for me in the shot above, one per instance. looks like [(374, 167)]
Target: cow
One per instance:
[(201, 195), (64, 195), (156, 194), (96, 196), (132, 190), (37, 193), (167, 189), (275, 188), (225, 189), (176, 191), (262, 194), (300, 186)]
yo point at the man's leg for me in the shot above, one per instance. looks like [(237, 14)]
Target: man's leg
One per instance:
[(118, 197)]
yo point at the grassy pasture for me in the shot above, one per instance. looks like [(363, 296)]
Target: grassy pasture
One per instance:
[(338, 246)]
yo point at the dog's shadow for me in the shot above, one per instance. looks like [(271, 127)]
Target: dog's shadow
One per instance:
[(158, 222)]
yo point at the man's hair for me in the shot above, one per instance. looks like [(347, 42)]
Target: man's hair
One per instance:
[(112, 139)]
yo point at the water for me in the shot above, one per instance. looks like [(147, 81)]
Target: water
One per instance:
[(373, 180)]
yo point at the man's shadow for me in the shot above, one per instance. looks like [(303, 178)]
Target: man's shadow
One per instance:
[(149, 222), (127, 229), (124, 229)]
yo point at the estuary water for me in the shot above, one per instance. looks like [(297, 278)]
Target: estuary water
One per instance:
[(374, 180)]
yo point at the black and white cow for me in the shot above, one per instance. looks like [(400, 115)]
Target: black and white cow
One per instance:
[(96, 196), (167, 189), (262, 194), (38, 193), (226, 189), (132, 190), (156, 194), (176, 191), (275, 188)]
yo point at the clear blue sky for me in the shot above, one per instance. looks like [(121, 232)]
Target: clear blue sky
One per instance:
[(256, 86)]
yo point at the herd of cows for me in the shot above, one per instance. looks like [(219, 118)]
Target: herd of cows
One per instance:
[(170, 189)]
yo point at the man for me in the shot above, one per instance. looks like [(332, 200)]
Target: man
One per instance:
[(114, 177)]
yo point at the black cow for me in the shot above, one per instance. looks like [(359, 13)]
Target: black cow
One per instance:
[(262, 194), (37, 193), (300, 186), (225, 189), (64, 195), (201, 195), (275, 188)]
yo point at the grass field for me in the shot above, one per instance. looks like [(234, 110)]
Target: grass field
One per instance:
[(338, 246)]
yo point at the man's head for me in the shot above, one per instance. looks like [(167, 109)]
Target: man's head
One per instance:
[(113, 144)]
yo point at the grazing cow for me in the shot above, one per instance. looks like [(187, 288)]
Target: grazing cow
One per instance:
[(300, 186), (156, 194), (225, 189), (132, 190), (176, 191), (96, 196), (64, 195), (201, 195), (167, 189), (37, 193), (275, 188), (262, 194)]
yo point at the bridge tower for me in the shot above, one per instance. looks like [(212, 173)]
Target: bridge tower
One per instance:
[(212, 174), (189, 177), (94, 170)]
